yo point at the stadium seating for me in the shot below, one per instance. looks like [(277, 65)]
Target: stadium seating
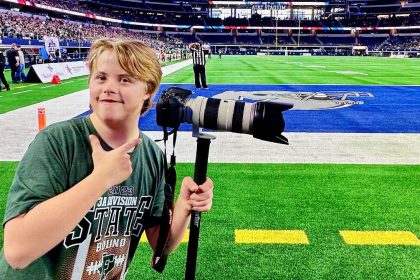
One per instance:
[(327, 30)]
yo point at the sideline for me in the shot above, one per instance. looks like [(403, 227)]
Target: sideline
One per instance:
[(332, 148)]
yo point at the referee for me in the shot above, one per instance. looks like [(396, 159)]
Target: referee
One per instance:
[(199, 65)]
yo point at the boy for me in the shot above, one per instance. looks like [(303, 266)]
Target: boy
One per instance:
[(87, 188)]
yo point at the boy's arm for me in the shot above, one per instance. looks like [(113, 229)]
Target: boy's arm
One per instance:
[(191, 198), (31, 235)]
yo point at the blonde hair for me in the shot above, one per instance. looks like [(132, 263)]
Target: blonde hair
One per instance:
[(135, 58)]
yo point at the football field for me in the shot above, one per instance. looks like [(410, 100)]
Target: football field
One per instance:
[(348, 207)]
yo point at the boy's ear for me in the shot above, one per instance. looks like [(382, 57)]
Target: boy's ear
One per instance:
[(146, 97)]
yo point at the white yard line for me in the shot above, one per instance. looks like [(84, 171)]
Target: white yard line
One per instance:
[(24, 86), (19, 92)]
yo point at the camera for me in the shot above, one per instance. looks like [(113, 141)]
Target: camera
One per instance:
[(264, 120)]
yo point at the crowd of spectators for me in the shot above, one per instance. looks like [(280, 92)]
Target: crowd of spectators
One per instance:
[(29, 26), (71, 5), (118, 12), (401, 43), (184, 18), (18, 25)]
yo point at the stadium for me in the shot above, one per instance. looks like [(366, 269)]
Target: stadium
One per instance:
[(340, 201)]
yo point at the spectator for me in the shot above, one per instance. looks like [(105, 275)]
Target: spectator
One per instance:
[(13, 59), (20, 73), (2, 77), (57, 55)]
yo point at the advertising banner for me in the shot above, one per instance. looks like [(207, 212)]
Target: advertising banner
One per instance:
[(45, 72)]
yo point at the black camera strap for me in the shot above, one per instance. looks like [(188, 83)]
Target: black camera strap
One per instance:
[(160, 258)]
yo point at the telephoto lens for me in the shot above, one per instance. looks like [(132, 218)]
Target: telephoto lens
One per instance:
[(264, 120)]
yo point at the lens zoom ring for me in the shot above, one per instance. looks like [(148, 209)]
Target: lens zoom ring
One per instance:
[(238, 115), (211, 113)]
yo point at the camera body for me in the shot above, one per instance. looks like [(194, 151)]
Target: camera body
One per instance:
[(264, 120), (170, 108)]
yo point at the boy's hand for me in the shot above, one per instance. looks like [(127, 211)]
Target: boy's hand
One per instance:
[(114, 166), (194, 197)]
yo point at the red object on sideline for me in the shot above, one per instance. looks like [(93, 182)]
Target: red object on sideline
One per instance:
[(55, 80)]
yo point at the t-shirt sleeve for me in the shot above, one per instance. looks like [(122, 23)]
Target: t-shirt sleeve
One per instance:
[(41, 175)]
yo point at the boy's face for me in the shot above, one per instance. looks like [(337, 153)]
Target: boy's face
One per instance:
[(115, 96)]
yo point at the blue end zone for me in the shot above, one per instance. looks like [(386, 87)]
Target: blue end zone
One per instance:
[(389, 109)]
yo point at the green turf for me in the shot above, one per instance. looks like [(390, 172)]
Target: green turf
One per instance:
[(252, 70), (7, 171), (305, 70), (320, 199)]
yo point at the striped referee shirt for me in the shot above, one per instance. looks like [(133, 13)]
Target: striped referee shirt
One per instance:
[(198, 56)]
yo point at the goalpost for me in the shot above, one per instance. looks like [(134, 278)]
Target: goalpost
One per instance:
[(274, 8)]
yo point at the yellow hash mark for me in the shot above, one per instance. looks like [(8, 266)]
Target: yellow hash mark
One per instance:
[(271, 236), (143, 237), (379, 237)]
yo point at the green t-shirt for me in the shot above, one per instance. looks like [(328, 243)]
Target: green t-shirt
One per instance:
[(102, 245)]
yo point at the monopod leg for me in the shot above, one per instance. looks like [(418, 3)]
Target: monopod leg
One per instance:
[(200, 175)]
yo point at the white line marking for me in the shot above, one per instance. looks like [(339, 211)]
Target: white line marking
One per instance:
[(30, 85), (19, 92), (348, 72)]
